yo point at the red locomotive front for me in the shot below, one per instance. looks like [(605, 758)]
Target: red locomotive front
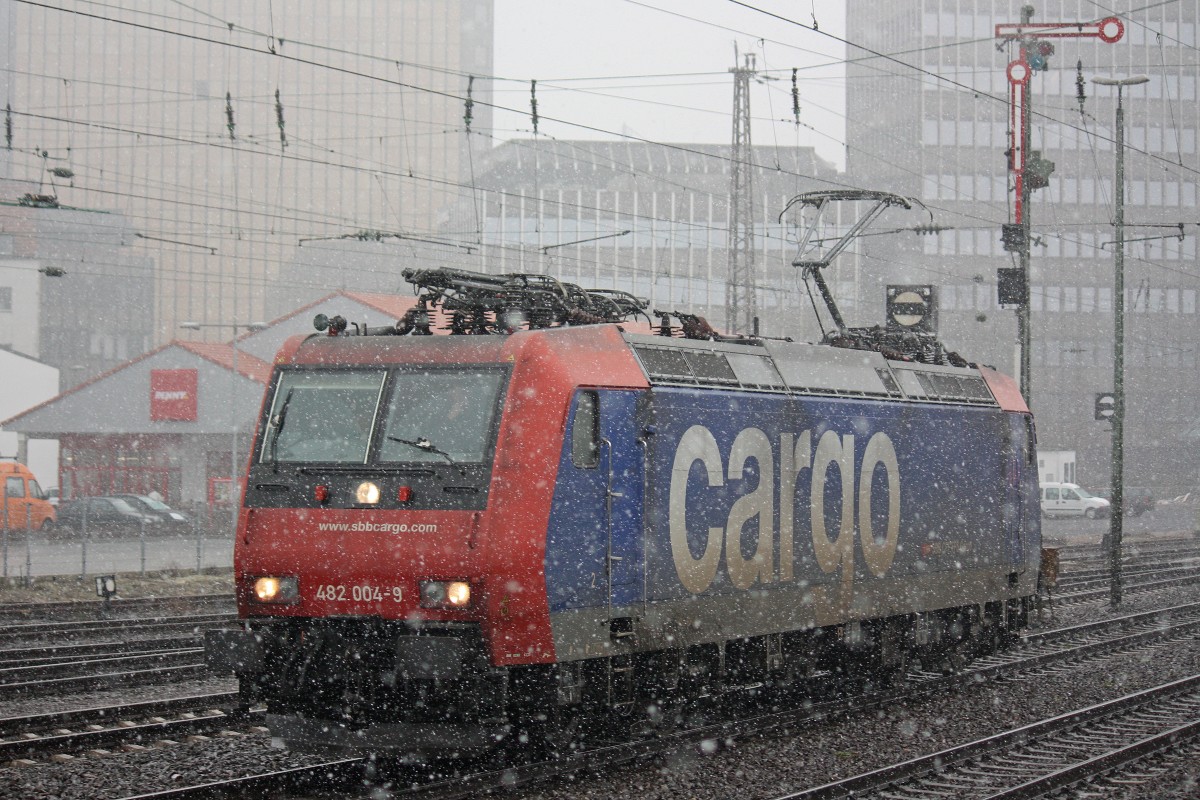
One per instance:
[(388, 561)]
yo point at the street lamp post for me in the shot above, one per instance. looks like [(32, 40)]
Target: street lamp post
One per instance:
[(233, 439), (1117, 510)]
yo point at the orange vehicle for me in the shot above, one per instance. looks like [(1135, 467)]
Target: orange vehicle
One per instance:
[(25, 504)]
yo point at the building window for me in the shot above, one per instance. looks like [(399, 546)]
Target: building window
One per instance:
[(929, 132), (930, 187)]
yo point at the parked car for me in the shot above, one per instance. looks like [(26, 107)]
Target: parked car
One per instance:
[(1071, 500), (53, 496), (169, 518), (24, 503), (104, 515), (1137, 501)]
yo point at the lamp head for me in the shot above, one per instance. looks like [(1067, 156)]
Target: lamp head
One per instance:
[(1133, 80)]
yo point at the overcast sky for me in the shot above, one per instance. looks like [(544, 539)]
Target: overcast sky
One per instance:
[(659, 69)]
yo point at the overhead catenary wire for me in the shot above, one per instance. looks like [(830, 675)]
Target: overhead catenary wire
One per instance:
[(976, 92), (146, 133)]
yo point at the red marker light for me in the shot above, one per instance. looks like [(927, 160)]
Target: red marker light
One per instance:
[(321, 493), (404, 494)]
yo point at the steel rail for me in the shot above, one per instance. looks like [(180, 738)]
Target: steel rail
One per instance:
[(12, 726), (266, 784), (12, 676), (79, 683), (120, 730), (946, 764), (78, 627), (50, 609), (56, 653)]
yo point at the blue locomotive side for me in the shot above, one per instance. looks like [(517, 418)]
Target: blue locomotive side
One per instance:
[(761, 490), (710, 513)]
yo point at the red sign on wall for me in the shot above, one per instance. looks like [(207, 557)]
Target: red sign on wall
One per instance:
[(173, 395)]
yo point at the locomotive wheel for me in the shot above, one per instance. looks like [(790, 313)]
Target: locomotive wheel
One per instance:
[(547, 736)]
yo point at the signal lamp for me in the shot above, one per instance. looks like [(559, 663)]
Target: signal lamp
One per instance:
[(321, 493), (367, 493), (276, 589), (445, 594), (106, 586), (404, 494)]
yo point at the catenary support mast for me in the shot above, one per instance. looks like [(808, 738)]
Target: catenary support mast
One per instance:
[(741, 286)]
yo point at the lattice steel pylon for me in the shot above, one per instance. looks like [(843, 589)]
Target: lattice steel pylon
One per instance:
[(741, 286)]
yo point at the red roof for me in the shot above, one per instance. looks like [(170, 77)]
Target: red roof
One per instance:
[(221, 354)]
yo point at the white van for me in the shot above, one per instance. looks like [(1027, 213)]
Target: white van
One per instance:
[(1070, 500)]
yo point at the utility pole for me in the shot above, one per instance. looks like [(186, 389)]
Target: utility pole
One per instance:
[(1116, 517), (741, 286), (1030, 170)]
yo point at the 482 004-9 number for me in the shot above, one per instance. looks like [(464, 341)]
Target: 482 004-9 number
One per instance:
[(359, 593)]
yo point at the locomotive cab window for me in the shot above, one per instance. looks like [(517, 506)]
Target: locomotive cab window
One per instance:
[(322, 416), (585, 431), (441, 415)]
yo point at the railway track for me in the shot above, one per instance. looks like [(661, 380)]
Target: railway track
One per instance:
[(1049, 756), (1049, 650), (83, 609), (48, 658), (1094, 557), (130, 668), (56, 653), (136, 724), (1101, 577), (41, 633), (316, 777), (1078, 595), (922, 684), (59, 738)]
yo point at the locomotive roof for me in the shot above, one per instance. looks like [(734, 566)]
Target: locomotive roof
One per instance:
[(754, 365), (813, 369)]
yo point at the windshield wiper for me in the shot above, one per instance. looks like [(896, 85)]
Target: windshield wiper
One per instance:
[(422, 443), (279, 419)]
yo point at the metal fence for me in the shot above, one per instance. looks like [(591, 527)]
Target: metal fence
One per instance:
[(28, 553)]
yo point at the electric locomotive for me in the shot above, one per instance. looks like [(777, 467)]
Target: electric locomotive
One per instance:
[(446, 540)]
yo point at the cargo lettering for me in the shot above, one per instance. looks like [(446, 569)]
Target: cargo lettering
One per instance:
[(834, 550)]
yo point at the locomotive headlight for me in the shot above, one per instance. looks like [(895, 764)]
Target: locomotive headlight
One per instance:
[(367, 493), (445, 594), (276, 589)]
